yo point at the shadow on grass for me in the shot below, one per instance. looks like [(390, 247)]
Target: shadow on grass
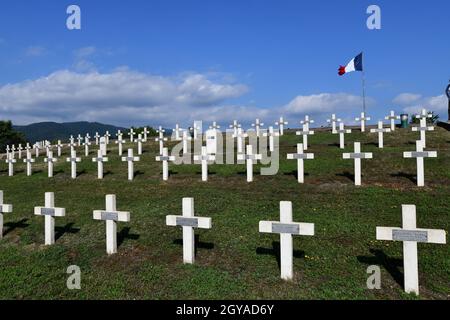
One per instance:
[(198, 244), (275, 251), (55, 172), (411, 177), (21, 224), (347, 174), (68, 228), (125, 234), (295, 173), (390, 264), (334, 144), (80, 173), (106, 173), (138, 173)]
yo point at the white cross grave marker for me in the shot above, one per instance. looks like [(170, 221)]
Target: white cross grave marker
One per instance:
[(392, 117), (177, 132), (111, 216), (212, 141), (342, 131), (59, 146), (363, 120), (281, 123), (50, 161), (333, 122), (50, 212), (79, 139), (300, 156), (96, 136), (72, 145), (120, 141), (100, 159), (250, 160), (357, 155), (73, 159), (235, 127), (4, 208), (139, 141), (241, 135), (19, 150), (204, 158), (130, 159), (145, 132), (131, 134), (271, 134), (286, 228), (410, 235), (380, 130), (107, 135), (257, 126), (306, 122), (10, 161), (103, 146), (160, 138), (186, 139), (87, 143), (29, 160), (188, 221), (423, 128), (305, 132), (165, 158), (419, 154)]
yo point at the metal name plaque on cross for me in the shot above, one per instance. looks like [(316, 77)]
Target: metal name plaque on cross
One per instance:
[(410, 235), (285, 228), (109, 215), (130, 158), (358, 155), (187, 222), (48, 211), (300, 156), (164, 158), (419, 154)]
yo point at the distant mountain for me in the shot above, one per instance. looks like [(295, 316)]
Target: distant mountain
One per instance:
[(54, 131)]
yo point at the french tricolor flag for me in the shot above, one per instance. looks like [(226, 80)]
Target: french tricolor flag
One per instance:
[(356, 64)]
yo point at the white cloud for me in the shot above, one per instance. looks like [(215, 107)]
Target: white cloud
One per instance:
[(406, 98), (437, 104)]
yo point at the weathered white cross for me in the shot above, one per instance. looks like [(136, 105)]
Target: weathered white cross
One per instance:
[(380, 130), (73, 159), (145, 132), (363, 120), (392, 117), (96, 136), (419, 154), (241, 135), (188, 221), (50, 160), (250, 159), (186, 138), (333, 122), (36, 149), (204, 158), (72, 145), (257, 126), (10, 161), (19, 150), (100, 159), (271, 134), (50, 212), (357, 155), (139, 141), (165, 158), (120, 141), (111, 216), (59, 146), (87, 143), (306, 122), (130, 159), (29, 160), (160, 138), (423, 128), (4, 208), (286, 228), (103, 145), (177, 131), (300, 156), (107, 135), (131, 134), (281, 123), (305, 132), (235, 127), (79, 139), (342, 131), (410, 235)]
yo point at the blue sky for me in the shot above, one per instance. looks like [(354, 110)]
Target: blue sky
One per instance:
[(218, 60)]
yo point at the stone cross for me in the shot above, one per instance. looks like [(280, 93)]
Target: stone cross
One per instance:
[(119, 142), (96, 136), (188, 221), (79, 139), (241, 135), (235, 127), (19, 150), (100, 159), (50, 160), (10, 161), (423, 128), (160, 139), (4, 208), (165, 158), (257, 126), (139, 141), (333, 122), (131, 134), (271, 134), (59, 146), (342, 131), (107, 135), (177, 131), (392, 117), (363, 120), (250, 159), (306, 122), (286, 228), (103, 146), (300, 156), (50, 212), (410, 235), (205, 158), (419, 154), (130, 159), (305, 132), (380, 130), (145, 132), (29, 160), (111, 216), (357, 156), (87, 143), (73, 159), (186, 138), (281, 123)]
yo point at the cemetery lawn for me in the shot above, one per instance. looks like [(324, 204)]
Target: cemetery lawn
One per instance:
[(233, 260)]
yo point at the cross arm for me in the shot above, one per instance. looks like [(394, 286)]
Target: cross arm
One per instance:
[(294, 228), (420, 235), (6, 208), (54, 212), (196, 222), (122, 216)]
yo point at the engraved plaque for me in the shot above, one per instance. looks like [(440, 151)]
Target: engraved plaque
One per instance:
[(109, 215), (410, 235), (416, 154), (48, 211), (285, 228), (187, 222), (357, 155), (300, 156)]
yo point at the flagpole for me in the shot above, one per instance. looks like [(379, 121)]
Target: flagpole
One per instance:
[(364, 91)]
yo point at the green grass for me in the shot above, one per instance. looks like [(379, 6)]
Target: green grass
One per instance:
[(233, 261)]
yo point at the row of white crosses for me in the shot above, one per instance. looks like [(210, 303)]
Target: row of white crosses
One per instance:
[(409, 234)]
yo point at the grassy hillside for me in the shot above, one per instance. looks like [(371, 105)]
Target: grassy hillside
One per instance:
[(234, 261)]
